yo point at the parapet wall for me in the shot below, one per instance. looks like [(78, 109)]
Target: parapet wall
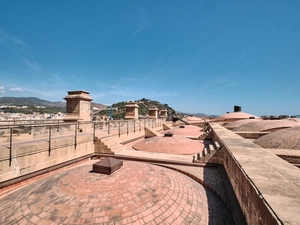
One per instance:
[(35, 148), (36, 155), (267, 187), (27, 132)]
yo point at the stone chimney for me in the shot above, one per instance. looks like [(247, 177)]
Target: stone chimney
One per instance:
[(163, 113), (153, 112), (237, 108), (78, 106), (132, 111)]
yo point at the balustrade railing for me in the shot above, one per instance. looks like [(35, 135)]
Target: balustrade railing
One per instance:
[(15, 134)]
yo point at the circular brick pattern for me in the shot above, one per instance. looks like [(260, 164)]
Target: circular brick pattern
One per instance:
[(137, 193), (171, 145)]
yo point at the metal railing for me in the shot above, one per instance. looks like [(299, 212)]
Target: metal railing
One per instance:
[(13, 136)]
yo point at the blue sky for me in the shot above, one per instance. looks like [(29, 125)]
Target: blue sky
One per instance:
[(197, 56)]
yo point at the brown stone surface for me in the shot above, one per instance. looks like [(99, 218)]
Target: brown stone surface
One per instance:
[(190, 120), (107, 165), (131, 110), (194, 119), (78, 106), (138, 193), (283, 139), (268, 125), (172, 145), (234, 116), (188, 130), (240, 122), (268, 188)]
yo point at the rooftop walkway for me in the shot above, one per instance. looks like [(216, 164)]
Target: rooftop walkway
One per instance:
[(275, 181)]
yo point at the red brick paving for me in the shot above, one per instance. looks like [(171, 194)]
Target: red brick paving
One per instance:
[(138, 193)]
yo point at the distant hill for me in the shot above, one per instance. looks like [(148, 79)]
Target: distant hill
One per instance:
[(98, 105), (29, 101), (143, 109), (197, 114), (143, 103), (33, 101), (205, 115)]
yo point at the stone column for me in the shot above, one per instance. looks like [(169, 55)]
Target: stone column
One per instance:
[(132, 111), (153, 112), (163, 113), (78, 106)]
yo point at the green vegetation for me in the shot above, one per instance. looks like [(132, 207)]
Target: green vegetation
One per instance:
[(33, 109), (119, 105), (55, 107), (143, 109), (28, 101), (143, 104), (116, 114)]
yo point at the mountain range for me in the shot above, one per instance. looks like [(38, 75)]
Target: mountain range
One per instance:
[(34, 101)]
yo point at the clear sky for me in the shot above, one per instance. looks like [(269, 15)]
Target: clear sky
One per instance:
[(196, 55)]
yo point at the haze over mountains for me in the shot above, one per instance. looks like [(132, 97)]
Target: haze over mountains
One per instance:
[(34, 101), (29, 101)]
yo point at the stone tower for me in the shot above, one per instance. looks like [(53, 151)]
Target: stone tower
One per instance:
[(153, 112), (132, 111), (163, 113), (78, 106)]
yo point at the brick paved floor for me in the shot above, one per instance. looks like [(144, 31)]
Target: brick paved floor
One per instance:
[(138, 193)]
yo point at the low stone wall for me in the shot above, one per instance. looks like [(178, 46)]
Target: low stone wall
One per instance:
[(26, 132), (115, 139), (124, 135), (33, 156), (29, 154), (267, 187)]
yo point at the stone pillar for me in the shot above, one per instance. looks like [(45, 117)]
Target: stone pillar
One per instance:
[(78, 106), (153, 112), (132, 111), (163, 113)]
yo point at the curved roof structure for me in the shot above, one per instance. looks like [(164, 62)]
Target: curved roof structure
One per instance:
[(233, 116), (267, 125), (137, 193), (241, 122), (172, 145), (194, 119), (288, 138), (190, 120), (185, 130)]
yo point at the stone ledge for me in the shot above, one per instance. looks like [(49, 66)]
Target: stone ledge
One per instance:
[(275, 181)]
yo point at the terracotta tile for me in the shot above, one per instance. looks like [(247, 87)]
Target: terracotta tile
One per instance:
[(138, 194)]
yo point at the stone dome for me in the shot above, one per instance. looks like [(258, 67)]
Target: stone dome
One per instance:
[(238, 123), (187, 130), (267, 125), (233, 116), (194, 119), (189, 120), (288, 138), (137, 193), (172, 145)]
